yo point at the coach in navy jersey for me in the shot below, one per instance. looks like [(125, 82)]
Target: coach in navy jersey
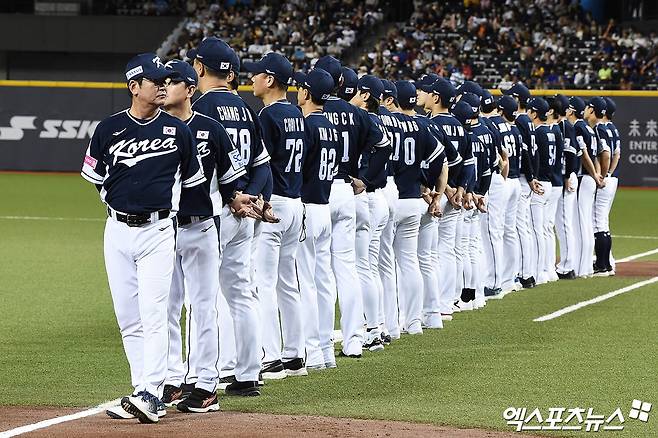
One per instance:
[(357, 132), (282, 126), (140, 158), (196, 270), (215, 63), (316, 279)]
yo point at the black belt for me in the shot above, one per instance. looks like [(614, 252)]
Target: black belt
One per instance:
[(137, 220), (187, 220)]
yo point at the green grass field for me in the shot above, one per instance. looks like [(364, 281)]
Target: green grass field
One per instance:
[(60, 345)]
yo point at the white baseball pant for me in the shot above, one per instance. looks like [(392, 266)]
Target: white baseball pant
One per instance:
[(511, 247), (493, 227), (537, 213), (449, 272), (475, 254), (567, 226), (388, 308), (196, 274), (603, 204), (523, 230), (343, 262), (428, 241), (586, 192), (405, 244), (373, 302), (140, 262), (317, 285), (276, 279), (462, 257), (362, 248), (549, 267)]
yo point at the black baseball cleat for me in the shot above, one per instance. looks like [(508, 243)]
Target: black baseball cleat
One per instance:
[(172, 395), (386, 339), (225, 381), (244, 389), (200, 401), (295, 367), (571, 275), (351, 356), (528, 283), (493, 294), (273, 370), (261, 382)]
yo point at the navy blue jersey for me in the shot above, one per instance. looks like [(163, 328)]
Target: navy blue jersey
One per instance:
[(587, 140), (453, 158), (372, 170), (571, 151), (221, 163), (282, 124), (615, 144), (321, 161), (487, 139), (527, 130), (482, 170), (419, 149), (240, 123), (546, 155), (456, 136), (356, 131), (140, 164), (497, 143), (558, 167), (394, 131), (511, 142)]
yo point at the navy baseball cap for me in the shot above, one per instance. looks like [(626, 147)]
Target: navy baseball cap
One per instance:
[(470, 87), (518, 90), (560, 103), (149, 66), (472, 99), (425, 82), (444, 88), (332, 66), (598, 105), (235, 62), (577, 105), (406, 93), (463, 111), (272, 64), (184, 72), (350, 80), (371, 84), (508, 106), (611, 106), (539, 105), (488, 103), (318, 82), (389, 89), (214, 53)]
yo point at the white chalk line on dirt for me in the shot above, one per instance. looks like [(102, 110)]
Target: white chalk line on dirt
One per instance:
[(58, 420), (637, 256), (53, 218), (595, 300)]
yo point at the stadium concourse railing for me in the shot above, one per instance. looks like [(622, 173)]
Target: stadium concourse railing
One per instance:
[(46, 125)]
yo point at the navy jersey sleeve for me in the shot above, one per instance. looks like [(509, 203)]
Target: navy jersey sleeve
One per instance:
[(604, 139), (543, 154), (191, 168), (229, 162), (372, 135), (269, 131), (93, 167), (379, 151)]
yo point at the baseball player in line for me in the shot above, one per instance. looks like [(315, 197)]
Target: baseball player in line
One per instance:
[(240, 355), (316, 279), (140, 159)]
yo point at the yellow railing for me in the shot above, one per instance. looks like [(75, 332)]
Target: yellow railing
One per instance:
[(110, 85)]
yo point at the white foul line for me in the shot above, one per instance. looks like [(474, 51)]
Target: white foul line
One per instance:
[(637, 256), (622, 236), (48, 218), (595, 300), (57, 420)]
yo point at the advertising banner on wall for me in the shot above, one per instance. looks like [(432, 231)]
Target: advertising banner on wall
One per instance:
[(48, 129)]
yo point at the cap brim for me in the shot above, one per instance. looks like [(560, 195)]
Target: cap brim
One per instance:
[(161, 74), (299, 77), (191, 54), (253, 67)]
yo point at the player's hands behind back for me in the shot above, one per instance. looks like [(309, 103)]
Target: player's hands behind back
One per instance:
[(244, 205)]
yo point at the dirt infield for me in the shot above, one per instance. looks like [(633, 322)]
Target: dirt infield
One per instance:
[(230, 424), (637, 269)]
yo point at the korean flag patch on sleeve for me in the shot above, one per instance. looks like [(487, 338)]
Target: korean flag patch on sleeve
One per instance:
[(202, 135), (236, 159), (169, 130)]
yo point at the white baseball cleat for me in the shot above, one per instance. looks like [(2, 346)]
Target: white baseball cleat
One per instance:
[(118, 413), (461, 306)]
